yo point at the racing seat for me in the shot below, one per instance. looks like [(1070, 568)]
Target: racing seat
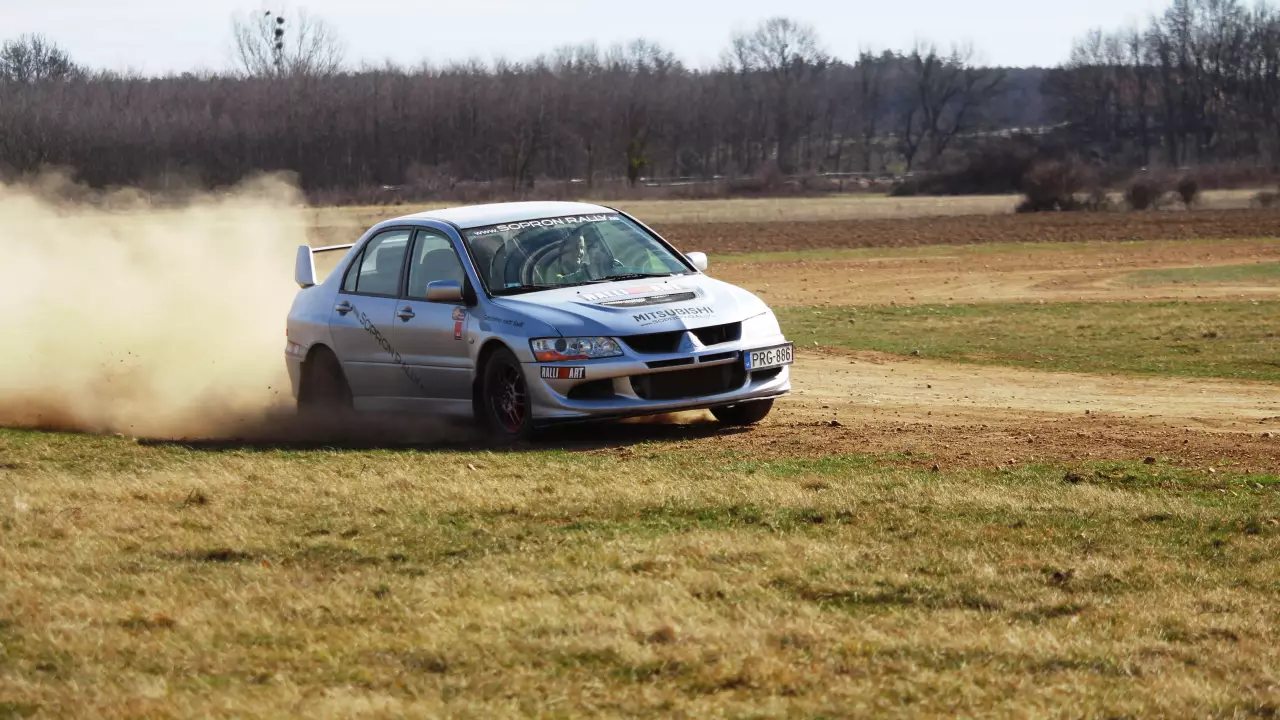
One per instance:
[(438, 264), (385, 277)]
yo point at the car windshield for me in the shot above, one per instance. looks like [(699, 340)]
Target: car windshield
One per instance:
[(562, 251)]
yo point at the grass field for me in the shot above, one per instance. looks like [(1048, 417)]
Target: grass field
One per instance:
[(1257, 272), (644, 579), (1058, 508), (1196, 339)]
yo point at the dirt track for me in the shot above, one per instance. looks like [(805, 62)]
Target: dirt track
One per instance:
[(935, 413), (988, 416)]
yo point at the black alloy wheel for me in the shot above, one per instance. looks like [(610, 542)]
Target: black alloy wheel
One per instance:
[(507, 411)]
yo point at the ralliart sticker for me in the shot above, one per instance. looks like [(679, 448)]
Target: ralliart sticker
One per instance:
[(564, 373)]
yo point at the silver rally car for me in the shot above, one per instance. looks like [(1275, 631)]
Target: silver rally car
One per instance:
[(521, 315)]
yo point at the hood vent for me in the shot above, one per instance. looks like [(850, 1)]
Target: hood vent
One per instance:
[(651, 300)]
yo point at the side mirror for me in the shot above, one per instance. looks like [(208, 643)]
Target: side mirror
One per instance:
[(444, 291), (699, 260), (304, 267)]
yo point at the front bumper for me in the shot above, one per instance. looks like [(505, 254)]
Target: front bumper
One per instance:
[(631, 385)]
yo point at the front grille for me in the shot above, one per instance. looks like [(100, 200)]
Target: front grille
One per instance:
[(766, 374), (594, 390), (717, 334), (654, 343), (718, 357), (669, 342), (679, 384)]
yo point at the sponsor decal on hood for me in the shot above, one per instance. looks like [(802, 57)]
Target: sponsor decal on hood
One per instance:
[(664, 299), (635, 290), (661, 316)]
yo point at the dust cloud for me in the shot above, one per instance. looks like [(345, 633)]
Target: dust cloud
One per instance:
[(166, 323), (120, 317)]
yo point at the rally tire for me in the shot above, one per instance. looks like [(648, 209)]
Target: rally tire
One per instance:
[(324, 391), (747, 413), (506, 411)]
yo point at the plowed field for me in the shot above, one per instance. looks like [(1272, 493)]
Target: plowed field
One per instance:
[(760, 237)]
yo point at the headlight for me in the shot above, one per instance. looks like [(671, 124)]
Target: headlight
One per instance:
[(575, 348), (764, 324)]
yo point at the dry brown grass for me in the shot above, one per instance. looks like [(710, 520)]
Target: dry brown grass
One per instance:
[(833, 207), (646, 580), (852, 206)]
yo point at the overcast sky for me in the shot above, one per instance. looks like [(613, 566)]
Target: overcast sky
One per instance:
[(161, 36)]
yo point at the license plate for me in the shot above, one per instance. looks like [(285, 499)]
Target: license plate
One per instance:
[(770, 357)]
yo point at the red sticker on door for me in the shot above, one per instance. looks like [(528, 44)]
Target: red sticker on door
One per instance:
[(459, 317)]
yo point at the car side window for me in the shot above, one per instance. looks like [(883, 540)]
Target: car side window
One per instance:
[(377, 270), (353, 274), (433, 259)]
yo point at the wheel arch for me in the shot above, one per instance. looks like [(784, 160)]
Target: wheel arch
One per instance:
[(306, 378), (482, 358), (316, 349)]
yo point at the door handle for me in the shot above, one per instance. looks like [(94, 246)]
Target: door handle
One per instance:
[(343, 307), (406, 314)]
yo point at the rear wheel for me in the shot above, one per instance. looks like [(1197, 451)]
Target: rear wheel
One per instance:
[(504, 398), (747, 413), (324, 391)]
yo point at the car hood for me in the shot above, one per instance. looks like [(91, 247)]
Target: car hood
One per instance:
[(635, 307)]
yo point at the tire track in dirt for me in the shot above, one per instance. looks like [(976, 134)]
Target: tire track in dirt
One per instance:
[(953, 415)]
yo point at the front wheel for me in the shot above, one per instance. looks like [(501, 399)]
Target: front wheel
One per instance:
[(505, 398), (747, 413)]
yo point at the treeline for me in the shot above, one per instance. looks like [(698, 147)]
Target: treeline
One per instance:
[(1198, 84), (777, 103)]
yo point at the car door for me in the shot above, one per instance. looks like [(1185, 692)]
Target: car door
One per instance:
[(430, 336), (364, 313)]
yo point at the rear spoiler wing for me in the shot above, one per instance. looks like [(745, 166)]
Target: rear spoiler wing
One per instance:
[(304, 267)]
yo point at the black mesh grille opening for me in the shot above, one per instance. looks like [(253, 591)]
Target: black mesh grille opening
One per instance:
[(668, 342), (654, 343), (679, 384), (717, 334), (659, 364), (766, 374), (717, 357), (594, 390)]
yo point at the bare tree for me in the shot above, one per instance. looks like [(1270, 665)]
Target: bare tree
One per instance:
[(639, 73), (782, 57), (34, 59), (275, 44), (947, 92), (579, 69), (869, 81)]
